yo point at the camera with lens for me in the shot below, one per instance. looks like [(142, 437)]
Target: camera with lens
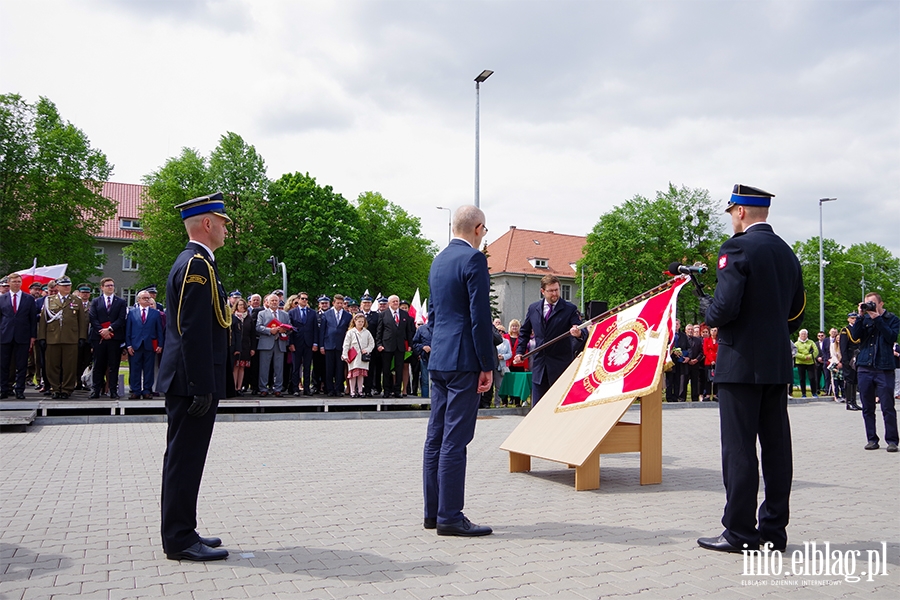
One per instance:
[(868, 306)]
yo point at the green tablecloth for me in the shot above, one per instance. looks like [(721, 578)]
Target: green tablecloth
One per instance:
[(516, 384)]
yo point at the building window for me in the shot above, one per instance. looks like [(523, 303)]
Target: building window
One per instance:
[(128, 263), (101, 258), (130, 296), (133, 224), (538, 263), (566, 292)]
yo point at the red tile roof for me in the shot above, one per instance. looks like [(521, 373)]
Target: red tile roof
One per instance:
[(128, 197), (511, 252)]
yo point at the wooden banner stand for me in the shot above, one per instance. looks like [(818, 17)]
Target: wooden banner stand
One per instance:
[(578, 437)]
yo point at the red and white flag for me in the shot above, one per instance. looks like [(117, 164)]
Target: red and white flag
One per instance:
[(625, 353), (42, 275), (415, 309)]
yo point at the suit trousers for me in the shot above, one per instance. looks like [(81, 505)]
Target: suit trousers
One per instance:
[(303, 356), (872, 383), (747, 412), (141, 372), (275, 358), (334, 372), (451, 426), (62, 367), (16, 355), (393, 377), (107, 356), (187, 444)]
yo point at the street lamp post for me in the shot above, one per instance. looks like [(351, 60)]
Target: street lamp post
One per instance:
[(862, 282), (822, 269), (484, 75), (449, 216)]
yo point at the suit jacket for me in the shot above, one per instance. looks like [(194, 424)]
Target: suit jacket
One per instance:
[(19, 326), (197, 327), (116, 314), (459, 311), (306, 330), (695, 350), (140, 335), (264, 338), (759, 302), (824, 348), (393, 336), (548, 364), (68, 329), (331, 331)]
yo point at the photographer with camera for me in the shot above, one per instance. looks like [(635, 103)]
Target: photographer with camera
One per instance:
[(877, 331)]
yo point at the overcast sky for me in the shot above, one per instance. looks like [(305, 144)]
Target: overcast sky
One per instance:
[(590, 103)]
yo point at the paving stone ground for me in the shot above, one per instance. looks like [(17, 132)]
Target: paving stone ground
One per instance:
[(332, 509)]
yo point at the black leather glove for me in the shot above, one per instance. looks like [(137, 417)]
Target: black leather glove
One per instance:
[(82, 343), (705, 303), (200, 405), (43, 345)]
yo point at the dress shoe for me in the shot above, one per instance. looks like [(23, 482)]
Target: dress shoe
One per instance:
[(113, 396), (20, 396), (720, 544), (297, 394), (872, 446), (63, 396), (212, 542), (198, 552), (263, 394), (892, 448), (147, 397), (852, 406), (464, 527), (430, 523), (277, 394), (94, 396), (134, 397)]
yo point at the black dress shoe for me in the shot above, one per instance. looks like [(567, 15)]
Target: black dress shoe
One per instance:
[(872, 446), (20, 396), (198, 552), (212, 542), (94, 396), (853, 407), (113, 396), (430, 523), (465, 528), (720, 544)]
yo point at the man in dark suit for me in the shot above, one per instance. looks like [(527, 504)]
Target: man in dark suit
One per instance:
[(461, 368), (333, 328), (192, 375), (693, 358), (393, 337), (675, 377), (550, 318), (107, 318), (304, 342), (759, 302), (143, 341), (823, 375), (18, 330)]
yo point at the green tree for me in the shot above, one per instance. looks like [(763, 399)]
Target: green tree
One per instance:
[(631, 246), (233, 168), (495, 301), (50, 183), (314, 231), (398, 257), (844, 269)]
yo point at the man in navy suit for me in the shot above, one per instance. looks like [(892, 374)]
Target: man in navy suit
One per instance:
[(392, 338), (107, 316), (759, 302), (461, 367), (18, 330), (823, 375), (304, 342), (548, 319), (143, 340), (192, 375), (332, 331)]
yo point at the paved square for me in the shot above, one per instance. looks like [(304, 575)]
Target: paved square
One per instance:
[(332, 509)]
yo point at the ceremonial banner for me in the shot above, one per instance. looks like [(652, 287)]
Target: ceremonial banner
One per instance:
[(625, 353), (41, 275)]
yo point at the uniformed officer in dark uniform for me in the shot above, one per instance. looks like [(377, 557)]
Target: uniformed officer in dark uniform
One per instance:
[(759, 302), (848, 347), (192, 375)]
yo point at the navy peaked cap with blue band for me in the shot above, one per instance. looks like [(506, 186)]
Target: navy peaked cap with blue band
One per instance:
[(749, 196), (214, 203)]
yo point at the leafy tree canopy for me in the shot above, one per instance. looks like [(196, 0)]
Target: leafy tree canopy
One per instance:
[(631, 246), (50, 182), (844, 282)]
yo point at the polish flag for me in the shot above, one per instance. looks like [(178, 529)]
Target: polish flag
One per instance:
[(625, 353), (415, 309), (425, 310), (42, 275)]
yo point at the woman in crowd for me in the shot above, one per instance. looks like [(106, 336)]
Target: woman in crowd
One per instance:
[(358, 346), (806, 363), (710, 347), (241, 342), (513, 338)]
